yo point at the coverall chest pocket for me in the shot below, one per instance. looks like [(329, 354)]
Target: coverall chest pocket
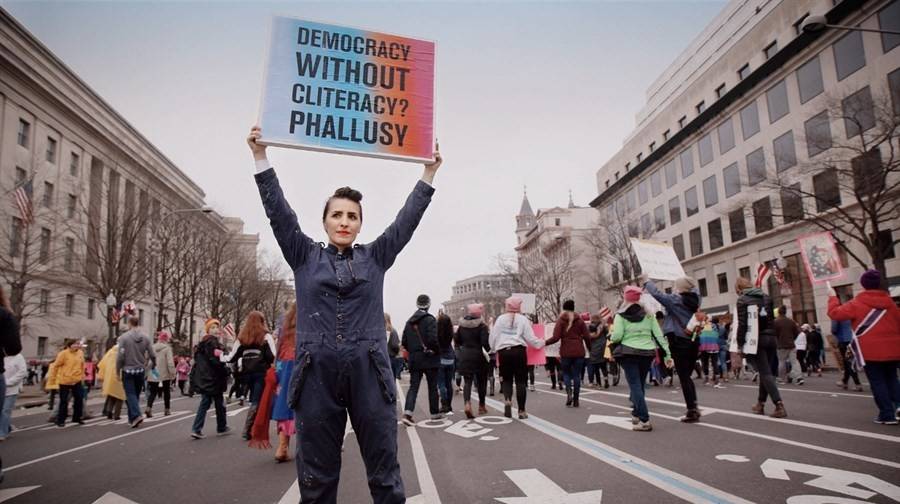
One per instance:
[(298, 377), (384, 374)]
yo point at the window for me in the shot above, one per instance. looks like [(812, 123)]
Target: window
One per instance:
[(607, 183), (744, 272), (749, 120), (756, 167), (24, 133), (643, 191), (826, 189), (818, 133), (848, 54), (889, 19), (798, 30), (48, 194), (720, 91), (894, 88), (785, 155), (70, 305), (737, 225), (791, 204), (722, 280), (858, 112), (73, 165), (617, 174), (762, 215), (868, 173), (701, 107), (744, 71), (725, 132), (732, 177), (659, 217), (690, 201), (671, 174), (633, 229), (91, 308), (678, 245), (630, 200), (674, 211), (682, 122), (140, 316), (556, 222), (44, 305), (687, 163), (656, 183), (646, 225), (701, 286), (777, 101), (704, 146), (15, 236), (710, 191), (640, 156), (45, 246), (886, 240), (51, 150), (666, 135), (652, 146), (809, 80), (42, 346), (714, 228), (696, 237), (21, 175), (771, 49), (70, 254)]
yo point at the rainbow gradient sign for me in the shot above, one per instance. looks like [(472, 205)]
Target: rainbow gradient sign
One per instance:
[(337, 89)]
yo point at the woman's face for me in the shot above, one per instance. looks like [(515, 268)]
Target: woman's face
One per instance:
[(342, 222)]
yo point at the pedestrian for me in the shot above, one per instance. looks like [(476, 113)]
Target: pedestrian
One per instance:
[(69, 370), (10, 344), (724, 330), (786, 331), (801, 343), (510, 335), (472, 341), (15, 370), (814, 346), (421, 342), (551, 364), (599, 334), (89, 373), (574, 339), (134, 358), (182, 371), (707, 329), (753, 299), (876, 329), (256, 353), (51, 386), (112, 388), (393, 343), (160, 378), (842, 331), (340, 341), (636, 337), (680, 307), (209, 378), (448, 362)]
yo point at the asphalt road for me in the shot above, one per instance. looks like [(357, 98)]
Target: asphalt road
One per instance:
[(827, 452)]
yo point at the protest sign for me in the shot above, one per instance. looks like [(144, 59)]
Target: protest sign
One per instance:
[(657, 259), (536, 356), (528, 302), (338, 89), (820, 257)]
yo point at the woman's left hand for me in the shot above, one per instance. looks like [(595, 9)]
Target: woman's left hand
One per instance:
[(669, 363)]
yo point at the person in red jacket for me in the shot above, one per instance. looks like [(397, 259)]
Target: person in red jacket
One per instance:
[(575, 341), (876, 324)]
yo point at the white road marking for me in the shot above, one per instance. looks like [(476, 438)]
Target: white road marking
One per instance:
[(858, 395), (426, 480), (238, 411), (292, 496), (539, 489), (160, 418), (113, 498), (9, 493), (833, 480), (70, 424), (622, 423), (727, 457)]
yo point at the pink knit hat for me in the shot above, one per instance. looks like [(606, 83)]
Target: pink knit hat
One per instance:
[(632, 294), (475, 309), (163, 336), (514, 304)]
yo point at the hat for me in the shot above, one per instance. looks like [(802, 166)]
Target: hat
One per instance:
[(423, 302), (586, 316), (871, 279), (163, 336), (513, 304), (209, 324), (806, 327), (475, 309), (685, 284), (568, 305), (632, 294)]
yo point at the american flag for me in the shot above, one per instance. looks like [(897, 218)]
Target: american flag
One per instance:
[(229, 330), (23, 201), (605, 312), (778, 272), (762, 274)]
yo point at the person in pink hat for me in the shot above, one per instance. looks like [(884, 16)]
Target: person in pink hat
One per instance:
[(161, 377), (472, 340), (509, 337)]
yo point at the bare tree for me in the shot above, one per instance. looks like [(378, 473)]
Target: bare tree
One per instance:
[(275, 292), (548, 271)]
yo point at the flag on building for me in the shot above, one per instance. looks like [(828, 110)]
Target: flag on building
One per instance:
[(22, 196), (116, 314), (778, 272), (762, 274)]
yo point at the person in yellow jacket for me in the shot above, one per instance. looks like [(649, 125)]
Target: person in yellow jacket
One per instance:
[(51, 385), (70, 373), (112, 384)]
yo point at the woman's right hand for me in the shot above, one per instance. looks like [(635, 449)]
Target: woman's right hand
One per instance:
[(258, 150)]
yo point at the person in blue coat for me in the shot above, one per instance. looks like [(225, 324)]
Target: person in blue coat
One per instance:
[(341, 365)]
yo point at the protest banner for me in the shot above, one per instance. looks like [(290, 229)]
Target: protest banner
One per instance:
[(657, 259), (820, 257), (528, 302), (536, 356), (345, 90)]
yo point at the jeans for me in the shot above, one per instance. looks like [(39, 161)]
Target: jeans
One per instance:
[(445, 382), (572, 368), (254, 384), (723, 361), (133, 384), (77, 395), (684, 353), (396, 366), (156, 389), (789, 355), (767, 386), (885, 387), (200, 419), (415, 378), (636, 369), (848, 365), (6, 414)]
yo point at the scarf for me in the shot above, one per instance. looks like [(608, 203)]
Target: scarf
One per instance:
[(259, 433)]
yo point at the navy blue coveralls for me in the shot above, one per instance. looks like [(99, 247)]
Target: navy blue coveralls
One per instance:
[(342, 363)]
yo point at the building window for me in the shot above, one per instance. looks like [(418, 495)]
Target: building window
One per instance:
[(656, 183), (633, 231), (690, 201), (722, 280), (556, 222), (777, 101), (725, 132), (714, 228), (858, 112), (48, 195), (701, 286), (732, 177), (720, 91), (710, 191), (744, 71), (818, 133), (44, 306), (868, 173), (798, 29), (849, 55), (21, 175), (886, 239), (671, 174), (15, 236), (762, 215), (666, 135), (785, 154), (809, 80), (70, 208), (826, 189), (643, 191), (744, 272), (42, 346), (73, 164), (749, 120), (607, 184), (674, 211), (756, 167), (771, 49), (704, 146), (640, 155), (24, 133), (45, 246), (70, 254), (737, 225), (70, 305), (696, 237), (630, 199), (51, 150), (91, 308), (803, 305), (894, 88), (700, 107), (652, 146), (659, 216), (687, 163), (889, 19), (682, 122), (140, 316), (646, 225), (791, 204)]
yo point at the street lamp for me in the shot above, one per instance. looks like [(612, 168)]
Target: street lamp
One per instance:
[(818, 23), (110, 303)]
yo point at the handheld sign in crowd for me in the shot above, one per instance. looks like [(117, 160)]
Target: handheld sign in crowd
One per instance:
[(536, 356), (337, 89), (820, 256), (528, 302), (657, 259)]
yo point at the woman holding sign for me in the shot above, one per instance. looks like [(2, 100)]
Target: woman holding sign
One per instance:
[(754, 311), (342, 365)]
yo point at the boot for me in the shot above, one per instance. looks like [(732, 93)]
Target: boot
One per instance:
[(492, 387), (568, 395), (552, 382), (779, 412), (167, 412), (468, 409), (248, 424), (149, 412), (692, 416), (482, 409), (606, 383), (281, 453), (759, 408), (575, 398), (507, 409)]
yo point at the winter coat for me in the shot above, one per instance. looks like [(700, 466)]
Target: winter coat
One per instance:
[(814, 341), (15, 371), (422, 345), (182, 369), (393, 343), (210, 375), (69, 367), (254, 359), (882, 341), (112, 383), (574, 340), (10, 342), (786, 331), (165, 363), (638, 332), (679, 308), (756, 297), (52, 382), (472, 340), (598, 343), (445, 336), (842, 330), (511, 330)]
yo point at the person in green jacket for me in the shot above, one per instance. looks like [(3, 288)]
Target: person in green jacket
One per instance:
[(635, 337)]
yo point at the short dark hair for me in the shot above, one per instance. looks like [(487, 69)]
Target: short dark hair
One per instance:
[(346, 193), (134, 321)]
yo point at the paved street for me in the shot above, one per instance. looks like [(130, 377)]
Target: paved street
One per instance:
[(584, 455)]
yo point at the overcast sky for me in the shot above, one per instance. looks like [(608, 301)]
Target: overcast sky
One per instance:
[(539, 93)]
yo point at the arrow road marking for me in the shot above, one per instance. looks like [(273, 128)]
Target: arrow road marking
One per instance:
[(9, 493), (539, 489), (833, 480), (622, 423), (113, 498)]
